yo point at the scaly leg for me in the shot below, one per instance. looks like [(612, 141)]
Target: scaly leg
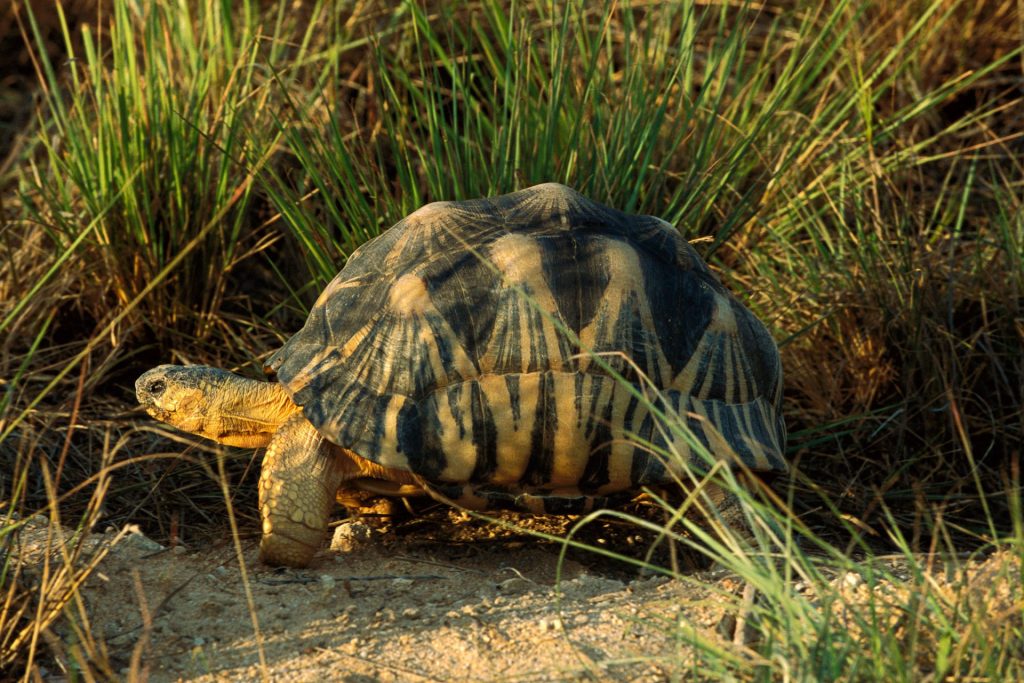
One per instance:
[(300, 477), (730, 512)]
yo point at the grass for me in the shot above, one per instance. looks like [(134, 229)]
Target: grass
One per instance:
[(193, 174)]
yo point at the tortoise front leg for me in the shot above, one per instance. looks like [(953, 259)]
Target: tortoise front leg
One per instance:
[(300, 477)]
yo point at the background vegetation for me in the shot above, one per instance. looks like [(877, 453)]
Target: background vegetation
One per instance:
[(180, 179)]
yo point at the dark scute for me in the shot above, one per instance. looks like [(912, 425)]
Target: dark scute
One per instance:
[(576, 269), (348, 310), (542, 439), (455, 406), (430, 461), (599, 434), (718, 381), (595, 474), (348, 419), (682, 305), (485, 436), (648, 468), (759, 351), (367, 261), (631, 335), (464, 291), (410, 430), (374, 433), (728, 426), (512, 384), (578, 402)]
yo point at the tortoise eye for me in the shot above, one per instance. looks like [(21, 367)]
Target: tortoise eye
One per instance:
[(157, 387)]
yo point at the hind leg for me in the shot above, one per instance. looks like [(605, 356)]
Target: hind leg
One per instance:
[(728, 515)]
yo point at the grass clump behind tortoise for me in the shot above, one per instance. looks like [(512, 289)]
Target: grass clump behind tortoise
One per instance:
[(438, 361)]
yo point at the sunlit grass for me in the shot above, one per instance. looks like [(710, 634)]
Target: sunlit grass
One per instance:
[(142, 134)]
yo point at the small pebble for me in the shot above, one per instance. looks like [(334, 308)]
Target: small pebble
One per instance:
[(134, 538), (411, 613), (327, 581), (548, 624), (347, 537), (852, 580)]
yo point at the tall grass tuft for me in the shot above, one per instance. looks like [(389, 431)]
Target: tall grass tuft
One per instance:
[(142, 138), (645, 110)]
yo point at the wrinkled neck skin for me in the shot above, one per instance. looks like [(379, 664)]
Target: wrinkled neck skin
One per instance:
[(215, 404)]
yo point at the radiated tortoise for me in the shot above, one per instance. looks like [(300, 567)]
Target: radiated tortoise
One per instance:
[(519, 351)]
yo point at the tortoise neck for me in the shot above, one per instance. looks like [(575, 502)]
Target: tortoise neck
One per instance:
[(248, 412)]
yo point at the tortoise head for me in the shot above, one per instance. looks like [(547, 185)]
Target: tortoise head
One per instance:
[(214, 403)]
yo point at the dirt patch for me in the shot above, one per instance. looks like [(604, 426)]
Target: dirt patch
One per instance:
[(387, 608)]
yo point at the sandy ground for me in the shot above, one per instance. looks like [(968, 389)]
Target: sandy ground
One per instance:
[(458, 601), (453, 598)]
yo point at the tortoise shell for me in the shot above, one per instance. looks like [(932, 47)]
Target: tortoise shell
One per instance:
[(523, 351)]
